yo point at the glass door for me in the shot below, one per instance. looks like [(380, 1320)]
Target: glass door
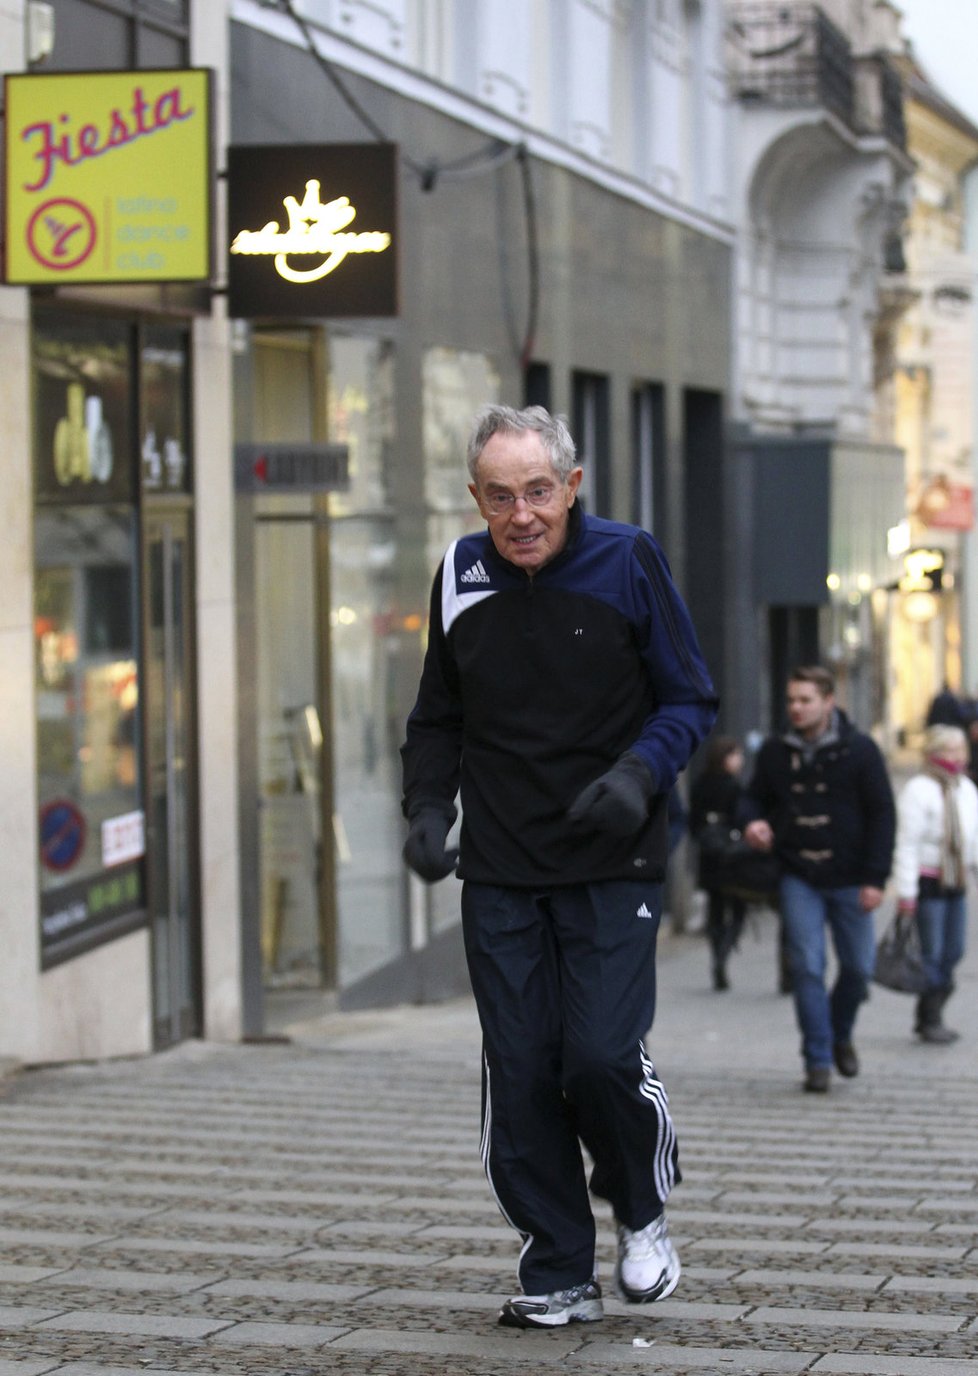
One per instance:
[(169, 735), (291, 590)]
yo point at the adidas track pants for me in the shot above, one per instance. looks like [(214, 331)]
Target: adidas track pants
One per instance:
[(564, 981)]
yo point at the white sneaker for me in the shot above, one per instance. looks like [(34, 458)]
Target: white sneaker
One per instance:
[(579, 1304), (648, 1267)]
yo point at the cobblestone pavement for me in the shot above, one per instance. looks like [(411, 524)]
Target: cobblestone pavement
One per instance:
[(318, 1205)]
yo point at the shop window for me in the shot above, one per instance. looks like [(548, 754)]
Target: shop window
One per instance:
[(99, 421), (455, 385), (164, 431), (362, 416), (89, 797), (366, 634)]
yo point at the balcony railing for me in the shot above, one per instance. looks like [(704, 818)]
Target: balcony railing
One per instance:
[(793, 56), (790, 57)]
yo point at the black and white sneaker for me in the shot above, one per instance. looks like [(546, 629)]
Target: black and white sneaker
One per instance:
[(579, 1304), (648, 1267)]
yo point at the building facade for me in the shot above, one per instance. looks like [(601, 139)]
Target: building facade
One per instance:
[(226, 510), (119, 869), (562, 209), (932, 407), (822, 185)]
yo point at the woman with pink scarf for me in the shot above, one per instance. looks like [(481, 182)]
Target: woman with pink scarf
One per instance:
[(936, 847)]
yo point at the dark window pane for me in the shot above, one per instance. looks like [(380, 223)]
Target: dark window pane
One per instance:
[(173, 11), (158, 49), (88, 37)]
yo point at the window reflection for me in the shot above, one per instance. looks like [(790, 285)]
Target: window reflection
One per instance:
[(87, 723)]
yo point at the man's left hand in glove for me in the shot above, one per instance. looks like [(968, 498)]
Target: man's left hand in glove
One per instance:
[(618, 801)]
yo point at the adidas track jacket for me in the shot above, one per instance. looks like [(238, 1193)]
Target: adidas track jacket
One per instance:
[(533, 686)]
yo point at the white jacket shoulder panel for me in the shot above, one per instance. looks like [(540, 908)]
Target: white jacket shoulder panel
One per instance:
[(920, 829)]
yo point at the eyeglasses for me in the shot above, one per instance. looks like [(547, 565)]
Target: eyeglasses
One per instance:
[(500, 503)]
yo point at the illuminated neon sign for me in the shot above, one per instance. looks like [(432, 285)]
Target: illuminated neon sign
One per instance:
[(314, 229), (318, 263)]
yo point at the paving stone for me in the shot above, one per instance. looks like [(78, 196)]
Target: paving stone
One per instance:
[(144, 1325), (30, 1368), (23, 1315), (50, 1238), (25, 1275), (828, 1280), (769, 1246), (895, 1249), (287, 1290), (848, 1318), (278, 1335), (879, 1364), (500, 1345), (194, 1246), (666, 1357), (102, 1278), (97, 1369), (944, 1285), (900, 1225)]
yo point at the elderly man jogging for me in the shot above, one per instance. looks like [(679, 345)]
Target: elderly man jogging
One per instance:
[(563, 690)]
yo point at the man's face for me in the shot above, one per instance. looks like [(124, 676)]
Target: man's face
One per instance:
[(527, 532), (809, 710)]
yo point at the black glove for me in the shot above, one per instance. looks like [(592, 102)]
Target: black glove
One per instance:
[(424, 849), (617, 802)]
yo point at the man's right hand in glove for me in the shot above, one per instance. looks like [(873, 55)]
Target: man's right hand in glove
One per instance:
[(424, 849)]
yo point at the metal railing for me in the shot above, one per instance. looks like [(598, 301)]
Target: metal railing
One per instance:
[(790, 56)]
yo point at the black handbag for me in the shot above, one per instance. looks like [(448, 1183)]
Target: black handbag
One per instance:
[(734, 866), (899, 957)]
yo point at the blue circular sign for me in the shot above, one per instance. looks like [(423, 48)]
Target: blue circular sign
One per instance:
[(62, 834)]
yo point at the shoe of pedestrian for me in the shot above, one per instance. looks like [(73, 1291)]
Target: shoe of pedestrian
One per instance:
[(817, 1079), (937, 1034), (648, 1267), (846, 1060), (579, 1304)]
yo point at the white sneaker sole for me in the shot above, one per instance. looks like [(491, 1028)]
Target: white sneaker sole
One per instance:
[(660, 1291), (588, 1311)]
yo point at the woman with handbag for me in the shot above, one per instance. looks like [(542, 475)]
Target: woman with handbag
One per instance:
[(714, 814), (936, 846)]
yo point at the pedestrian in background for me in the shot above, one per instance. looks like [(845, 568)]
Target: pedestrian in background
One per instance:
[(562, 692), (936, 847), (715, 809), (821, 798)]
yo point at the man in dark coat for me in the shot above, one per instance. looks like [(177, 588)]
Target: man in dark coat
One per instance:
[(821, 798)]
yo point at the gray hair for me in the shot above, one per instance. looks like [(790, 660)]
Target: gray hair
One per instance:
[(553, 432)]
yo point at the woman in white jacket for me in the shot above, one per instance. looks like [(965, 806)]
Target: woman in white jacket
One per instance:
[(936, 846)]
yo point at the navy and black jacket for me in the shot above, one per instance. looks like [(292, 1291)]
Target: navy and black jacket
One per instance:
[(534, 686), (831, 810)]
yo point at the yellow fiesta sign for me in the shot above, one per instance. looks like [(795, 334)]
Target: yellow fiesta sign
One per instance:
[(108, 177)]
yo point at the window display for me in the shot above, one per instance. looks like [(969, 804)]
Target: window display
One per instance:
[(90, 810), (89, 798)]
